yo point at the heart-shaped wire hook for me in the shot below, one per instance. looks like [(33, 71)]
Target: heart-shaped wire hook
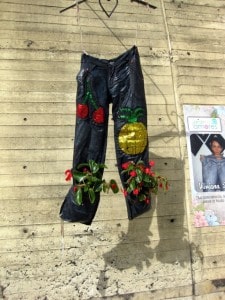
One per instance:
[(112, 11)]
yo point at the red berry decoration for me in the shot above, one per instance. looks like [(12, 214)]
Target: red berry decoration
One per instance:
[(82, 111), (98, 115)]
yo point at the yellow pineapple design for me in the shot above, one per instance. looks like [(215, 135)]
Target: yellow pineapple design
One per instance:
[(133, 136)]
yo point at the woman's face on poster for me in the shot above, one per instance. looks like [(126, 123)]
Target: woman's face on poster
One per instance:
[(216, 148)]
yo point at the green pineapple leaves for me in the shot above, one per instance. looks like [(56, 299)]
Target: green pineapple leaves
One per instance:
[(130, 115)]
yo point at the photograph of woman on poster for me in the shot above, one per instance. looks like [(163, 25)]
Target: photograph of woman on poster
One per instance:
[(213, 166), (205, 134)]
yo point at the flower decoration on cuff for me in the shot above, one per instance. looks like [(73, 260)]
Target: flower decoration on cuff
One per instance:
[(141, 180), (88, 181)]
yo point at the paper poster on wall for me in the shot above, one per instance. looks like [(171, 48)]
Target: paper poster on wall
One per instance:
[(205, 133)]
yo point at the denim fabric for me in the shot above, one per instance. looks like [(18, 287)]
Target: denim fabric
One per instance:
[(100, 82), (213, 173)]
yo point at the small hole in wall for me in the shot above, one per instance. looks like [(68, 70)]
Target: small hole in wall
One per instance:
[(25, 119)]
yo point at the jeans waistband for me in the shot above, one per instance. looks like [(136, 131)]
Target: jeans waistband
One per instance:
[(105, 63)]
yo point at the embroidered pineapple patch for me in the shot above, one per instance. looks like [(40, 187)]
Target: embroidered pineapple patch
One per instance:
[(133, 136)]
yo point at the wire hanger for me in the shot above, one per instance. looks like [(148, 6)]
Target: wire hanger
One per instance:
[(71, 6), (102, 7), (144, 3)]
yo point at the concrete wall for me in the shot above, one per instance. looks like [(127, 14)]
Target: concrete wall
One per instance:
[(159, 255)]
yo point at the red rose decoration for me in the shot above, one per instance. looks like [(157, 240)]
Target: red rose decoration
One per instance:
[(125, 193), (82, 111), (69, 175), (133, 173), (98, 115), (151, 163), (148, 171), (125, 165), (136, 191), (147, 201)]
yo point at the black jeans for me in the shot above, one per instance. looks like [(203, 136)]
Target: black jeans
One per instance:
[(100, 82)]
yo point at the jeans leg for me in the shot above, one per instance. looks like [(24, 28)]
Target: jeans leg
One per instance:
[(130, 121), (210, 174), (90, 137)]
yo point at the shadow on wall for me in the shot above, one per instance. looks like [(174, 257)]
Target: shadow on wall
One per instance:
[(138, 246)]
